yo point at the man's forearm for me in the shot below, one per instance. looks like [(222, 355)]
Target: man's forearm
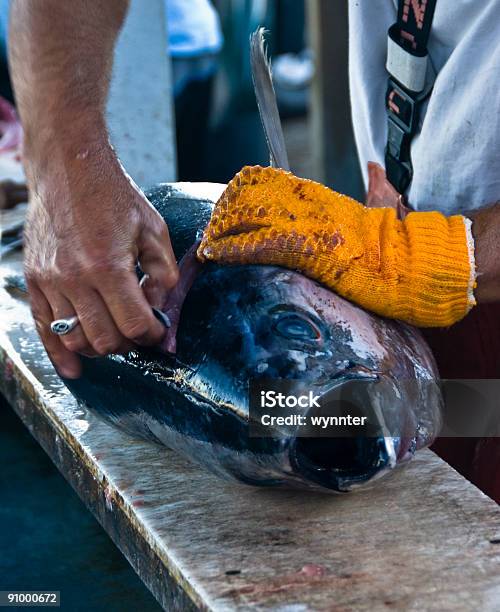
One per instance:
[(61, 56), (486, 230), (87, 225)]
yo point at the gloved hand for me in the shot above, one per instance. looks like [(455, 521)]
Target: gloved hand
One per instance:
[(420, 270)]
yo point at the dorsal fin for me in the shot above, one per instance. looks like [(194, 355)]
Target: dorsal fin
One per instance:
[(266, 101)]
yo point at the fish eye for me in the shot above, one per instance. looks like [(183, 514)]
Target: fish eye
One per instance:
[(294, 327)]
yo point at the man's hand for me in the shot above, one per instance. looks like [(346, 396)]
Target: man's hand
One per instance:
[(84, 235), (88, 224)]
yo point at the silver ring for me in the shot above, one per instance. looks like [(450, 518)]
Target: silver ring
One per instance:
[(61, 327)]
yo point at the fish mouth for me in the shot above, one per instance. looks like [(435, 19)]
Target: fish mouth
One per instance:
[(348, 455), (342, 464)]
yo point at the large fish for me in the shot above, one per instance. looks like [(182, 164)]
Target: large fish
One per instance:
[(246, 323), (243, 325)]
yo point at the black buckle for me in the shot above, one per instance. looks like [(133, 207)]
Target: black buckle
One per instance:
[(401, 107), (398, 141), (399, 173), (401, 126)]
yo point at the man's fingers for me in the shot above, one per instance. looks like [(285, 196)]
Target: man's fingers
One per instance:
[(62, 308), (157, 260), (66, 362), (105, 327), (96, 334), (131, 310), (97, 324), (155, 293)]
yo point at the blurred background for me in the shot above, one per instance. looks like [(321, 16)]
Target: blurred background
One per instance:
[(307, 41), (216, 119)]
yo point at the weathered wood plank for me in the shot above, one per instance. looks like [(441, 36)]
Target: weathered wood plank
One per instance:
[(418, 541)]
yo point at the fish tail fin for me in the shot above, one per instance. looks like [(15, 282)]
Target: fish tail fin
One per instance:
[(266, 100)]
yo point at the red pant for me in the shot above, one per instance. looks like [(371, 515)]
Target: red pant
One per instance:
[(471, 349)]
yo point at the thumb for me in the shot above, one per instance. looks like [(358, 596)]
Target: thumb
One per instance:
[(157, 261)]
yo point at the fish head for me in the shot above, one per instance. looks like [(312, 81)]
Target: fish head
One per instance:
[(242, 325)]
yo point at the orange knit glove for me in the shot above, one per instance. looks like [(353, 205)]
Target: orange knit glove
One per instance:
[(420, 270)]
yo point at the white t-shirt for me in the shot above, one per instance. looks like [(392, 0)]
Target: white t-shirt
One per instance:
[(193, 28), (456, 156)]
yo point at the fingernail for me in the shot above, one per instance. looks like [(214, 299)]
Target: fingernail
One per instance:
[(162, 318), (69, 373)]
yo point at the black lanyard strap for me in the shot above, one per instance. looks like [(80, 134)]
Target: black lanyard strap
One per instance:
[(410, 83), (415, 22)]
